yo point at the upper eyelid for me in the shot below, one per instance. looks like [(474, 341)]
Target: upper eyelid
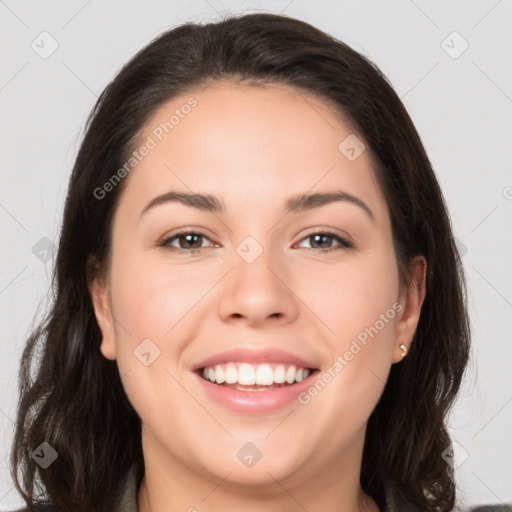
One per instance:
[(328, 231), (344, 241)]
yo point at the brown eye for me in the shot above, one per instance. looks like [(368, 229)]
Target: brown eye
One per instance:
[(190, 241), (187, 241), (325, 241)]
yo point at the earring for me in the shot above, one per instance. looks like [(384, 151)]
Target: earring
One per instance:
[(404, 350)]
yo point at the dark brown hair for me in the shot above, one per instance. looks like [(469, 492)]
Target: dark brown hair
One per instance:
[(72, 397)]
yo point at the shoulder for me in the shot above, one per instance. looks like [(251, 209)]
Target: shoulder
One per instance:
[(397, 502), (128, 498)]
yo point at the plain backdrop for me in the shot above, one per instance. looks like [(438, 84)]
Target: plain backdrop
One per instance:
[(450, 62)]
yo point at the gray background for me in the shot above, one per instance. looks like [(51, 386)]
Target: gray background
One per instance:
[(461, 103)]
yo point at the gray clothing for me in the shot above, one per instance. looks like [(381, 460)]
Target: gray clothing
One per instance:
[(395, 502)]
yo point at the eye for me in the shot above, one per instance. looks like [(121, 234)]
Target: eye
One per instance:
[(187, 241), (324, 242), (192, 242)]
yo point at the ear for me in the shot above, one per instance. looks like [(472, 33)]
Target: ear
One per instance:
[(100, 296), (411, 297)]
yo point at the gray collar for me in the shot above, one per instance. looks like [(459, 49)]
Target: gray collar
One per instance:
[(395, 502), (129, 493)]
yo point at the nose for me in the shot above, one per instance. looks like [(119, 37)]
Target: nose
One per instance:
[(258, 292)]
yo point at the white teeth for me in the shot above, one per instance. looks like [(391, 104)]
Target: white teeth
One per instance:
[(279, 374), (290, 374), (264, 375), (231, 374), (250, 375), (246, 375), (302, 373), (219, 375)]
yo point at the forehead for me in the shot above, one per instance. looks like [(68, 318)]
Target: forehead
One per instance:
[(227, 138)]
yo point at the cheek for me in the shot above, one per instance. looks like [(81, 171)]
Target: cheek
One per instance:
[(154, 309), (358, 304), (349, 298), (152, 300)]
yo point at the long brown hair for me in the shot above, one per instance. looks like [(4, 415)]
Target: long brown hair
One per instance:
[(72, 397)]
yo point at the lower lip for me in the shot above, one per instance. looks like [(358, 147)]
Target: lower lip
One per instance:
[(255, 402)]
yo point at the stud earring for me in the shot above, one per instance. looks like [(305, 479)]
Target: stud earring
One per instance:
[(404, 350)]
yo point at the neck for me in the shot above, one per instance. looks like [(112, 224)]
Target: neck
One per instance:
[(146, 503), (171, 486)]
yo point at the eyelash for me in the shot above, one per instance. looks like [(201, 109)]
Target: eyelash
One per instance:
[(343, 243)]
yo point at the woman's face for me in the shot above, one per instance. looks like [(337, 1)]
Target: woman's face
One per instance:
[(267, 279)]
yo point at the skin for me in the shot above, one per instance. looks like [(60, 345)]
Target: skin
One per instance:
[(253, 147)]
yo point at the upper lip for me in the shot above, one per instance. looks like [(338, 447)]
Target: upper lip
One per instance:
[(245, 355)]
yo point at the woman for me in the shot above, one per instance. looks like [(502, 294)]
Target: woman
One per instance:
[(259, 303)]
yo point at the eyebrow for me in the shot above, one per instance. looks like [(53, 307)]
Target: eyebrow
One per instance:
[(295, 204)]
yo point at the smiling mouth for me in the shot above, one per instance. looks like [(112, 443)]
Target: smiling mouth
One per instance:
[(255, 377)]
